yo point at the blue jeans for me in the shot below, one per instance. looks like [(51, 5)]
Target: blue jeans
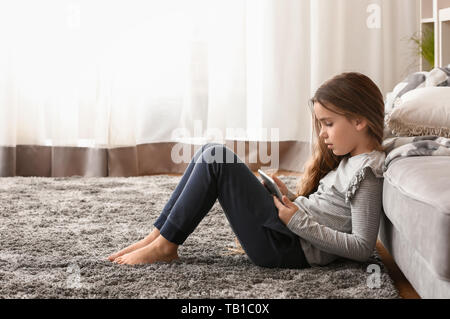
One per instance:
[(216, 172)]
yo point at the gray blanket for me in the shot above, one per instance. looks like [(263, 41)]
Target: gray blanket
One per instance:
[(430, 145)]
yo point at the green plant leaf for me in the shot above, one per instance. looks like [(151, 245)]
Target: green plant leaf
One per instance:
[(425, 45)]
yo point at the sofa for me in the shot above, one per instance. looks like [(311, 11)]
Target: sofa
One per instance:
[(415, 221)]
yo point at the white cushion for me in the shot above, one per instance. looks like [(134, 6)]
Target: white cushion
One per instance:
[(420, 112)]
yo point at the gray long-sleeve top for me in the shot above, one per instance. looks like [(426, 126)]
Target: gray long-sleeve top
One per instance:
[(342, 218)]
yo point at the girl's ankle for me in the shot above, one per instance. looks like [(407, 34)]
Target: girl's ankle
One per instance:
[(153, 235), (166, 246)]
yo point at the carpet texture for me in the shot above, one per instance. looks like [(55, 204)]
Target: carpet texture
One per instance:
[(56, 234)]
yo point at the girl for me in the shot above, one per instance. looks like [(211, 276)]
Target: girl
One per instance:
[(335, 211)]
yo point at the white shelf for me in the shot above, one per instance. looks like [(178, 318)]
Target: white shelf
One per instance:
[(444, 37), (428, 20), (435, 14), (444, 15)]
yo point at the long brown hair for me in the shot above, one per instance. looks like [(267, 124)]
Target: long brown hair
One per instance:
[(352, 95)]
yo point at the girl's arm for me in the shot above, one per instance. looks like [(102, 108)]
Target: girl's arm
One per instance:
[(358, 245)]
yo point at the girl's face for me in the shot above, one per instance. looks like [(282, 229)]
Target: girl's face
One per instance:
[(342, 135)]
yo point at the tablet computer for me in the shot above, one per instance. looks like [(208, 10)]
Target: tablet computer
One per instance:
[(271, 186)]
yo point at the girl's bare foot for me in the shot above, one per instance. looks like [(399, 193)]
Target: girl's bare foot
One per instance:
[(142, 243), (159, 250)]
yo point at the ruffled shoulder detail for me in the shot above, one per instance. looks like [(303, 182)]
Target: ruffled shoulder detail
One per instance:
[(373, 161)]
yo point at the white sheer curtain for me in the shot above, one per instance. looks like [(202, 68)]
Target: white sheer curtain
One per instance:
[(121, 73)]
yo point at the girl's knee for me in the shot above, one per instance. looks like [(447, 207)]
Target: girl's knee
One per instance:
[(219, 153)]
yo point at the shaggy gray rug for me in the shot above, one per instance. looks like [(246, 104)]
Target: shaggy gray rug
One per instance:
[(56, 234)]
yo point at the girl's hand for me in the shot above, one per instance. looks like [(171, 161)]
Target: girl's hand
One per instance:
[(286, 209), (281, 186)]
